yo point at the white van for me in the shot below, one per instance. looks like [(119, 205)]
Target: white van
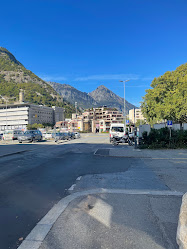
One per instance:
[(117, 129), (11, 134)]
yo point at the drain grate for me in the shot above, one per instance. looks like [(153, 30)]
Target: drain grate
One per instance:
[(102, 152)]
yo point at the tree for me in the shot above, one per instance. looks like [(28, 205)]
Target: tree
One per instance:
[(34, 126), (168, 97), (140, 122)]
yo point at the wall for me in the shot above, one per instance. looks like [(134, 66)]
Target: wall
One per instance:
[(143, 128), (159, 126)]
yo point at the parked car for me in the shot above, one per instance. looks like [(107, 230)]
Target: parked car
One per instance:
[(30, 136), (47, 135), (77, 135), (11, 134), (67, 135), (59, 136), (72, 135)]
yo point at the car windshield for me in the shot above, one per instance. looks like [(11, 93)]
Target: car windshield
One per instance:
[(118, 129), (29, 132)]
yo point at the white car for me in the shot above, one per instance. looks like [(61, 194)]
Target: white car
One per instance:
[(47, 135), (77, 134)]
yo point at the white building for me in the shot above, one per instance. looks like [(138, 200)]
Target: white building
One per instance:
[(15, 116), (135, 114)]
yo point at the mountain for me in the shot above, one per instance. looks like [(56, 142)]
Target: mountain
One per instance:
[(104, 96), (73, 95), (14, 76), (99, 97)]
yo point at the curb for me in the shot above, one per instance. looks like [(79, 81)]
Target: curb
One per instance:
[(182, 225), (40, 231)]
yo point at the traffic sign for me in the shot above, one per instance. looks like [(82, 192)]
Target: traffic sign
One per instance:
[(169, 123), (127, 121)]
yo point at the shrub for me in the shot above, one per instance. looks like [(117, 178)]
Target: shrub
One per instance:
[(161, 139)]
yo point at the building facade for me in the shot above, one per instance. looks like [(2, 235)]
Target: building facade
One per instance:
[(17, 116), (135, 115), (95, 118)]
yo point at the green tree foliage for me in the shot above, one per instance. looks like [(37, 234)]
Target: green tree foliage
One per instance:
[(34, 126), (168, 97), (140, 122)]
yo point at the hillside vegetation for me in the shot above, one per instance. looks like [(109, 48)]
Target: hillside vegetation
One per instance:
[(14, 76), (168, 97)]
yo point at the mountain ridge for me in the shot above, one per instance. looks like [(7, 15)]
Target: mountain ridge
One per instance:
[(99, 97)]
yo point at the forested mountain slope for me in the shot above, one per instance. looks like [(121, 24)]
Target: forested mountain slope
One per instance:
[(14, 76)]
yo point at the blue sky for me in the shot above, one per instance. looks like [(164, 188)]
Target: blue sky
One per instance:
[(86, 43)]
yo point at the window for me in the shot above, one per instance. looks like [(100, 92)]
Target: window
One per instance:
[(118, 129)]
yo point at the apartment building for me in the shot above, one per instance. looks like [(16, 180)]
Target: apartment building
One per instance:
[(135, 114), (100, 118)]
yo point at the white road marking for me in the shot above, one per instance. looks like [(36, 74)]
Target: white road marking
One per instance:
[(72, 187), (78, 178)]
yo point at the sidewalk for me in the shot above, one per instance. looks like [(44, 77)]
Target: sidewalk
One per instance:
[(134, 209), (129, 151), (109, 219)]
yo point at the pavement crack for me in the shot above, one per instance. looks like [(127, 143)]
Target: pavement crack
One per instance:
[(155, 219)]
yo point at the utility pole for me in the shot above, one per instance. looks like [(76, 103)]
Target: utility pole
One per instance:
[(76, 108), (124, 112), (135, 130)]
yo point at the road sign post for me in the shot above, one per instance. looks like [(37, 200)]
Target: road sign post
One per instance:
[(169, 124)]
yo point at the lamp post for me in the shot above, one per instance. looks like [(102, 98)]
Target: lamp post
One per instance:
[(124, 112)]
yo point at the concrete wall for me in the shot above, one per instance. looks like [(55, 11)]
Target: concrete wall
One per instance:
[(176, 126), (143, 128), (159, 126), (184, 126)]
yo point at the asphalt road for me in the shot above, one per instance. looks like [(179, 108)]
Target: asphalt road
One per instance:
[(32, 182)]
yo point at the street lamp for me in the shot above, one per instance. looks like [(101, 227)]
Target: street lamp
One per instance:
[(124, 112)]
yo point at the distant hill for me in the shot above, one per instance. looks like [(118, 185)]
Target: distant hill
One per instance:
[(73, 95), (14, 76), (99, 97)]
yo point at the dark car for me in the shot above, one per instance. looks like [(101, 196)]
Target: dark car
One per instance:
[(71, 135), (58, 136), (30, 136)]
